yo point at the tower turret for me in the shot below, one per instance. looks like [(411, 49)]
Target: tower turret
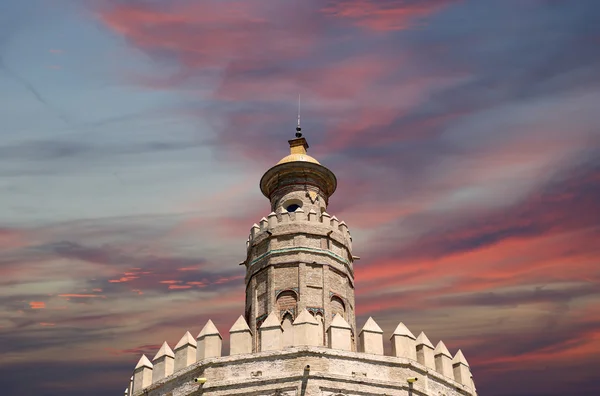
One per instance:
[(300, 257)]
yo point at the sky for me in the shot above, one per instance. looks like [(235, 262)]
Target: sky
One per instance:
[(464, 135)]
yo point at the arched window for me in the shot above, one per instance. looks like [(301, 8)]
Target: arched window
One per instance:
[(292, 204), (292, 207), (287, 301), (338, 307)]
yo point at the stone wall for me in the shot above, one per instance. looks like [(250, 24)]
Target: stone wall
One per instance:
[(331, 373)]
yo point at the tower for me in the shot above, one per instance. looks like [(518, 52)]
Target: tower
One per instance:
[(299, 257), (298, 334)]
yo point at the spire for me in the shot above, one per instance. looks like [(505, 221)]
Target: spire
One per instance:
[(298, 129)]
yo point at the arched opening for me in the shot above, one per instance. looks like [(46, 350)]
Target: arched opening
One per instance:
[(287, 301), (338, 307), (292, 204)]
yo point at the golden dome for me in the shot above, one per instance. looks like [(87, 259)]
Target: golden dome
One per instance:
[(298, 157)]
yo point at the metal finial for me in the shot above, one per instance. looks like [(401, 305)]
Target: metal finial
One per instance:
[(298, 129)]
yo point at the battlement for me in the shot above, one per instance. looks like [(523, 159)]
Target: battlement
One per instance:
[(412, 359), (312, 224)]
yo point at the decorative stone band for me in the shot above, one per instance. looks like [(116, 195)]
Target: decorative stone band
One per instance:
[(299, 249), (418, 353)]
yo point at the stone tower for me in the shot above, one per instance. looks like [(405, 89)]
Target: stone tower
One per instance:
[(299, 257), (298, 334)]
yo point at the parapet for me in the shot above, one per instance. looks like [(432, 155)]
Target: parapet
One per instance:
[(435, 365), (312, 224)]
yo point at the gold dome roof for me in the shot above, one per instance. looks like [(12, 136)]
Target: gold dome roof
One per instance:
[(298, 157)]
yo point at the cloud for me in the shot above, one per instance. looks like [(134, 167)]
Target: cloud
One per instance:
[(466, 174), (385, 15)]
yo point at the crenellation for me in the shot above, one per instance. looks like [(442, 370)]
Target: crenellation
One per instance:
[(425, 351), (300, 215), (403, 342), (339, 334), (209, 342), (461, 370), (270, 334), (185, 351), (163, 362), (142, 374), (312, 216), (335, 223), (284, 216), (305, 333), (240, 337), (443, 360), (306, 330), (343, 227), (264, 224), (254, 231), (272, 219), (371, 338), (325, 218)]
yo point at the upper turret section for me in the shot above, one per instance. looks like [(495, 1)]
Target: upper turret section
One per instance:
[(298, 180)]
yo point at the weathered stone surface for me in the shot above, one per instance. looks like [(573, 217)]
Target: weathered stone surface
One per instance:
[(425, 351), (306, 329), (164, 363), (331, 371), (371, 338), (270, 333), (142, 375), (461, 370), (403, 342), (209, 342), (443, 360), (185, 351), (240, 337), (339, 334)]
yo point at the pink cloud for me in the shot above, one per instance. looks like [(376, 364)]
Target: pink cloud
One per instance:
[(179, 286), (381, 15)]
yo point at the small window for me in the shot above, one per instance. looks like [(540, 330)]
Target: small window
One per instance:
[(292, 204), (292, 207)]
